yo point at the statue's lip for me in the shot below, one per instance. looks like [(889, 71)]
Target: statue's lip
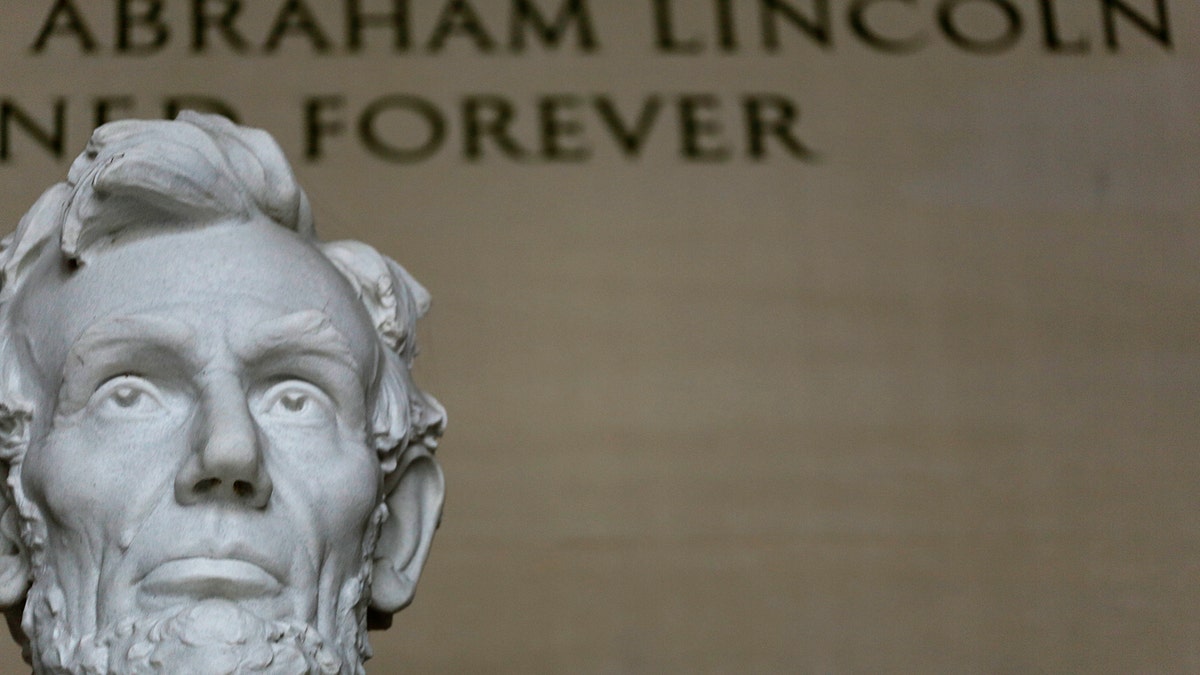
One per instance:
[(205, 577)]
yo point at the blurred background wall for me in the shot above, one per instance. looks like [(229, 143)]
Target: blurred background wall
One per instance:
[(776, 336)]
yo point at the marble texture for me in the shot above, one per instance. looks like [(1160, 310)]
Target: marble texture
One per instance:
[(215, 457)]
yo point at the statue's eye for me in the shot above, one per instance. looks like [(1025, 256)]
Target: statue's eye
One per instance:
[(126, 395), (297, 402), (293, 401)]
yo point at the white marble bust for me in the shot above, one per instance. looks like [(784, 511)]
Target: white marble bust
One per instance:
[(215, 459)]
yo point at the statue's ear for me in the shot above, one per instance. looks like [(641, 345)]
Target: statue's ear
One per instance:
[(415, 506), (15, 569), (14, 562), (14, 559)]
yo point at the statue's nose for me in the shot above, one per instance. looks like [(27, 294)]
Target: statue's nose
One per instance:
[(226, 464)]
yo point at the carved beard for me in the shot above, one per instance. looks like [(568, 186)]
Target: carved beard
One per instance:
[(206, 638), (209, 637)]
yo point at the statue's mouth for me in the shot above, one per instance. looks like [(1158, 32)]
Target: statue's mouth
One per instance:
[(203, 577)]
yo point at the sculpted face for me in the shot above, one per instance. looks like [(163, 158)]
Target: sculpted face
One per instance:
[(208, 441), (208, 434), (212, 454)]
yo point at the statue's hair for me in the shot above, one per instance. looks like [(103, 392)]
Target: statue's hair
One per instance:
[(139, 178)]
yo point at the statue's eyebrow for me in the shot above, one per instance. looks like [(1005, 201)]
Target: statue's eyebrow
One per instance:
[(304, 333), (122, 342)]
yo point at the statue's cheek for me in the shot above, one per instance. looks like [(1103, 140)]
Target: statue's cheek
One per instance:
[(87, 478)]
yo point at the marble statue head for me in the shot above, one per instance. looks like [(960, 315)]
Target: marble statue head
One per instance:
[(214, 457)]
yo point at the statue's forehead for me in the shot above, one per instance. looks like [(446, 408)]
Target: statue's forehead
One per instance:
[(239, 259), (225, 279), (246, 332)]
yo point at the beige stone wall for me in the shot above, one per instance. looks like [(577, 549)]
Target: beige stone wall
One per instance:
[(926, 404)]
